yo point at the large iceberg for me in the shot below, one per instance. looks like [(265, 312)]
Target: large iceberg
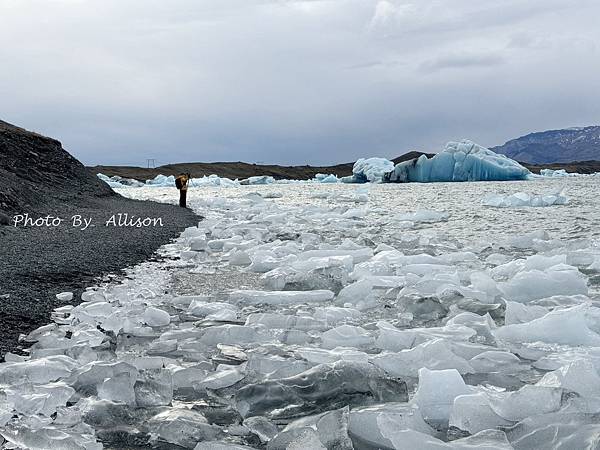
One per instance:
[(459, 161), (371, 170)]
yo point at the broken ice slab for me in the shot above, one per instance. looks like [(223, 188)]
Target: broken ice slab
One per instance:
[(560, 326), (183, 427), (436, 393), (231, 335), (320, 355), (88, 378), (203, 308), (334, 315), (435, 354), (281, 297), (155, 317), (285, 321), (219, 380), (38, 371), (118, 388), (329, 431), (154, 387), (347, 336), (30, 399), (364, 428), (472, 413), (262, 427), (219, 445), (65, 296), (320, 388), (536, 284), (358, 256), (20, 435), (274, 366)]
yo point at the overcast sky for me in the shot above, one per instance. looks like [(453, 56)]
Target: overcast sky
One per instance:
[(290, 81)]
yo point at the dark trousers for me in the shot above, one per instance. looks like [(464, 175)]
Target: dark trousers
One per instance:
[(183, 198)]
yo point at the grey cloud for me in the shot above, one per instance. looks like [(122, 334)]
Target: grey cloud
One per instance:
[(293, 81), (462, 61)]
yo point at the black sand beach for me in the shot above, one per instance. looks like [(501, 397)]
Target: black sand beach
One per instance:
[(36, 263), (38, 177)]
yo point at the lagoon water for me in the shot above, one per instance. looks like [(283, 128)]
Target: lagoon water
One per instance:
[(339, 316)]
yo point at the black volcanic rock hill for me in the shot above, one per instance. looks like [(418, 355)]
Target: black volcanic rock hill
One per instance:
[(36, 171), (555, 146), (238, 170), (38, 177)]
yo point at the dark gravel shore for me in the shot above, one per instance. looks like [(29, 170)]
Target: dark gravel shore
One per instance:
[(36, 263)]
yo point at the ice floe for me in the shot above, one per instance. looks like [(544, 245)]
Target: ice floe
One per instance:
[(284, 321)]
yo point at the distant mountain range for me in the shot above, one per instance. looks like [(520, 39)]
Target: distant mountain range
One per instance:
[(555, 146)]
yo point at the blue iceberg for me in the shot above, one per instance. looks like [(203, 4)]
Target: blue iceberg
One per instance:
[(459, 161), (369, 170)]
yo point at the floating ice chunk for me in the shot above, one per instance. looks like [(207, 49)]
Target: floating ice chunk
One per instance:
[(30, 400), (258, 180), (161, 180), (536, 284), (184, 377), (324, 387), (155, 317), (154, 387), (333, 314), (264, 261), (561, 326), (231, 335), (495, 361), (90, 376), (281, 297), (215, 445), (435, 354), (198, 243), (239, 258), (202, 308), (525, 199), (183, 427), (371, 170), (323, 356), (521, 313), (358, 255), (329, 428), (274, 367), (306, 440), (285, 321), (423, 215), (579, 376), (528, 401), (459, 161), (261, 427), (65, 296), (347, 336), (38, 371), (532, 240), (436, 393), (118, 388), (473, 413), (364, 423), (393, 339), (355, 213), (220, 379), (558, 173), (41, 437)]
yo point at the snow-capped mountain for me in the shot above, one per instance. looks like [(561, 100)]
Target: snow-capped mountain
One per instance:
[(567, 145)]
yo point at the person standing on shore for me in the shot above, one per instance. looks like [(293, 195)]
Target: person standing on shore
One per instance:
[(182, 184)]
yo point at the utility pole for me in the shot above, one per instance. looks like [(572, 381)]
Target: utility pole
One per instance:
[(151, 162)]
